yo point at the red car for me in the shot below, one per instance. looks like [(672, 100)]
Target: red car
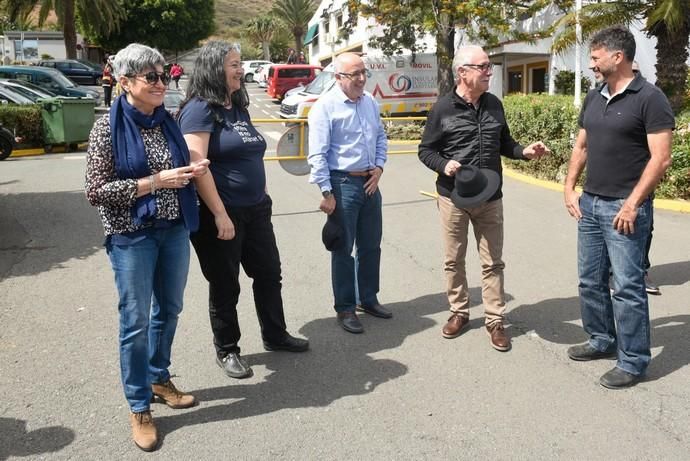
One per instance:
[(284, 77)]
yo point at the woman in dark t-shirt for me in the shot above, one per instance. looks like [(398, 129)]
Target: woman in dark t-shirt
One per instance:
[(235, 214)]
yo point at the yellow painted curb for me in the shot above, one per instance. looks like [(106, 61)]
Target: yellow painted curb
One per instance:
[(660, 203), (404, 141), (41, 151)]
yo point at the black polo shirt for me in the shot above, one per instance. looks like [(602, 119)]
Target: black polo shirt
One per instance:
[(617, 148)]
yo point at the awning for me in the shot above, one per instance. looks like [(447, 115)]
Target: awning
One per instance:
[(311, 34)]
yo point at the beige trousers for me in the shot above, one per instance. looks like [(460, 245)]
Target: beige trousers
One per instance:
[(487, 223)]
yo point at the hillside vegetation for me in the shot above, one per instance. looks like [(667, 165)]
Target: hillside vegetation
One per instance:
[(233, 13)]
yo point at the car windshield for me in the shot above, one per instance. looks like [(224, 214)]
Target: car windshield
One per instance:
[(62, 80), (321, 83), (37, 89), (24, 92), (173, 99), (90, 65)]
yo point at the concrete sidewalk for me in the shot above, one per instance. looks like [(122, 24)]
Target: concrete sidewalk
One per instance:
[(399, 391)]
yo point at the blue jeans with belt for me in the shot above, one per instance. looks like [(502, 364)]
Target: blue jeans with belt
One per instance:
[(619, 320), (150, 275), (356, 278)]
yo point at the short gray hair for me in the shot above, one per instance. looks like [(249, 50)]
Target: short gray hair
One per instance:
[(463, 56), (136, 58)]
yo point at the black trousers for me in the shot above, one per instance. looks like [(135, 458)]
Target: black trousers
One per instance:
[(255, 248), (107, 95)]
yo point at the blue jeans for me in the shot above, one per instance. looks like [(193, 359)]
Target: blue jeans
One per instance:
[(356, 278), (620, 320), (150, 276)]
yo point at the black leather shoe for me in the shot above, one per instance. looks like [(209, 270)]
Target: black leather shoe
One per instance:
[(585, 352), (289, 343), (234, 366), (377, 310), (350, 322), (618, 379)]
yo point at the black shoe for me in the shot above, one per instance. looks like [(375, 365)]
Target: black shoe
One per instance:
[(585, 352), (618, 379), (289, 343), (650, 287), (234, 366), (350, 322), (377, 310)]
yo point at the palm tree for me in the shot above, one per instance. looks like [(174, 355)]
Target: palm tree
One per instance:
[(295, 14), (102, 15), (667, 20), (262, 29)]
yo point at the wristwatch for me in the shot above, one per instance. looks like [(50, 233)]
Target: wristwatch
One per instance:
[(326, 193)]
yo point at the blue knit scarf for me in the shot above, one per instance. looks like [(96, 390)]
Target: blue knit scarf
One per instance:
[(131, 160)]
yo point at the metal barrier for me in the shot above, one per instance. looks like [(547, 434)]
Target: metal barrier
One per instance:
[(302, 122)]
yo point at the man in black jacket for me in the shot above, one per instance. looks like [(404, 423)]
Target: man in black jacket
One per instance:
[(467, 127)]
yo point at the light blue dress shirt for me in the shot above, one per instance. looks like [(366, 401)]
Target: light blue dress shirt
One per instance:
[(344, 135)]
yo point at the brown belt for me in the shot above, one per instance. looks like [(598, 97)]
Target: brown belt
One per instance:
[(358, 173)]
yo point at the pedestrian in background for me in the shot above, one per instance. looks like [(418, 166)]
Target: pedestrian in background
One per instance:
[(347, 151), (235, 215), (176, 72), (107, 81), (626, 155), (138, 174), (465, 135)]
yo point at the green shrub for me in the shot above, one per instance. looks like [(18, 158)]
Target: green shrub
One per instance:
[(25, 121), (565, 82), (553, 119)]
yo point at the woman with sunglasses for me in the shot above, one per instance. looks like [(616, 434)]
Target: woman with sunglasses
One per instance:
[(139, 175), (235, 215)]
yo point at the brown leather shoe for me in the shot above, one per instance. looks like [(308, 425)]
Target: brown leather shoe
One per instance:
[(144, 431), (499, 339), (171, 396), (454, 327)]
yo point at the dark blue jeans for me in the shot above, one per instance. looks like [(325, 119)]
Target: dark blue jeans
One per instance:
[(356, 278), (620, 320), (150, 275)]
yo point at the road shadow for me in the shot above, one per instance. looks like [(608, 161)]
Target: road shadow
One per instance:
[(64, 226), (15, 440), (557, 320), (338, 365), (671, 274)]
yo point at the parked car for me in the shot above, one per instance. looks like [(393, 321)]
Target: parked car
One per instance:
[(250, 68), (77, 71), (284, 77), (50, 79), (7, 96), (27, 89), (173, 99)]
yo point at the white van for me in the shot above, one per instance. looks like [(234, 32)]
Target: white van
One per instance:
[(399, 84)]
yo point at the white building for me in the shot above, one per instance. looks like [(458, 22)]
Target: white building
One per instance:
[(28, 46), (519, 66)]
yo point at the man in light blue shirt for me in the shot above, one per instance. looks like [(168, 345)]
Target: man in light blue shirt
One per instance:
[(347, 151)]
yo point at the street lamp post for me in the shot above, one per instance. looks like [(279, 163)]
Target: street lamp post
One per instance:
[(578, 40)]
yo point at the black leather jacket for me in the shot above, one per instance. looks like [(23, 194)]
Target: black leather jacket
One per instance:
[(455, 130)]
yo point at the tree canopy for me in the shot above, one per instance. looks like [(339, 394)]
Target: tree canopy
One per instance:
[(295, 14), (172, 25)]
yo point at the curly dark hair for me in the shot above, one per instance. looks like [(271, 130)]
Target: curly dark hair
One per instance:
[(208, 79)]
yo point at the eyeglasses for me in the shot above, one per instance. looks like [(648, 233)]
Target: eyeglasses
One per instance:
[(487, 66), (153, 77), (354, 75)]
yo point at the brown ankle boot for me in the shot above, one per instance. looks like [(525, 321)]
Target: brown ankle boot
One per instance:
[(171, 396), (144, 431)]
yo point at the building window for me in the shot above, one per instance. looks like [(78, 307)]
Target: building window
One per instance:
[(515, 80)]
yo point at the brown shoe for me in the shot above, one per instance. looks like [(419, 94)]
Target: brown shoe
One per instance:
[(499, 339), (454, 327), (171, 396), (144, 431)]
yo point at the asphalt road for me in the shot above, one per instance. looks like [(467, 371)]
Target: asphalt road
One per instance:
[(398, 392)]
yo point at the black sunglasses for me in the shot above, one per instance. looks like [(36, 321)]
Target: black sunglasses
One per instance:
[(153, 76)]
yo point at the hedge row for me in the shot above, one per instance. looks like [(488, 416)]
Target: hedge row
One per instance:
[(24, 121), (553, 119)]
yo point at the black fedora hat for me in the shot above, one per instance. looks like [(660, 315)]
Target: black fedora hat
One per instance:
[(332, 234), (474, 186)]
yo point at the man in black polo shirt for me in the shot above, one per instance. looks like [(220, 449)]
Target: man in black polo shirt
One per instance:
[(625, 143)]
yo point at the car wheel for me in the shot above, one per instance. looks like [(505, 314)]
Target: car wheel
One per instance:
[(249, 78), (5, 148)]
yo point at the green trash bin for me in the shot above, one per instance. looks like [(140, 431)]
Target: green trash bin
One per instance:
[(67, 120)]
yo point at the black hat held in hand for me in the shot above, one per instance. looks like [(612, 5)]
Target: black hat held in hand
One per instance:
[(474, 186), (332, 234)]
